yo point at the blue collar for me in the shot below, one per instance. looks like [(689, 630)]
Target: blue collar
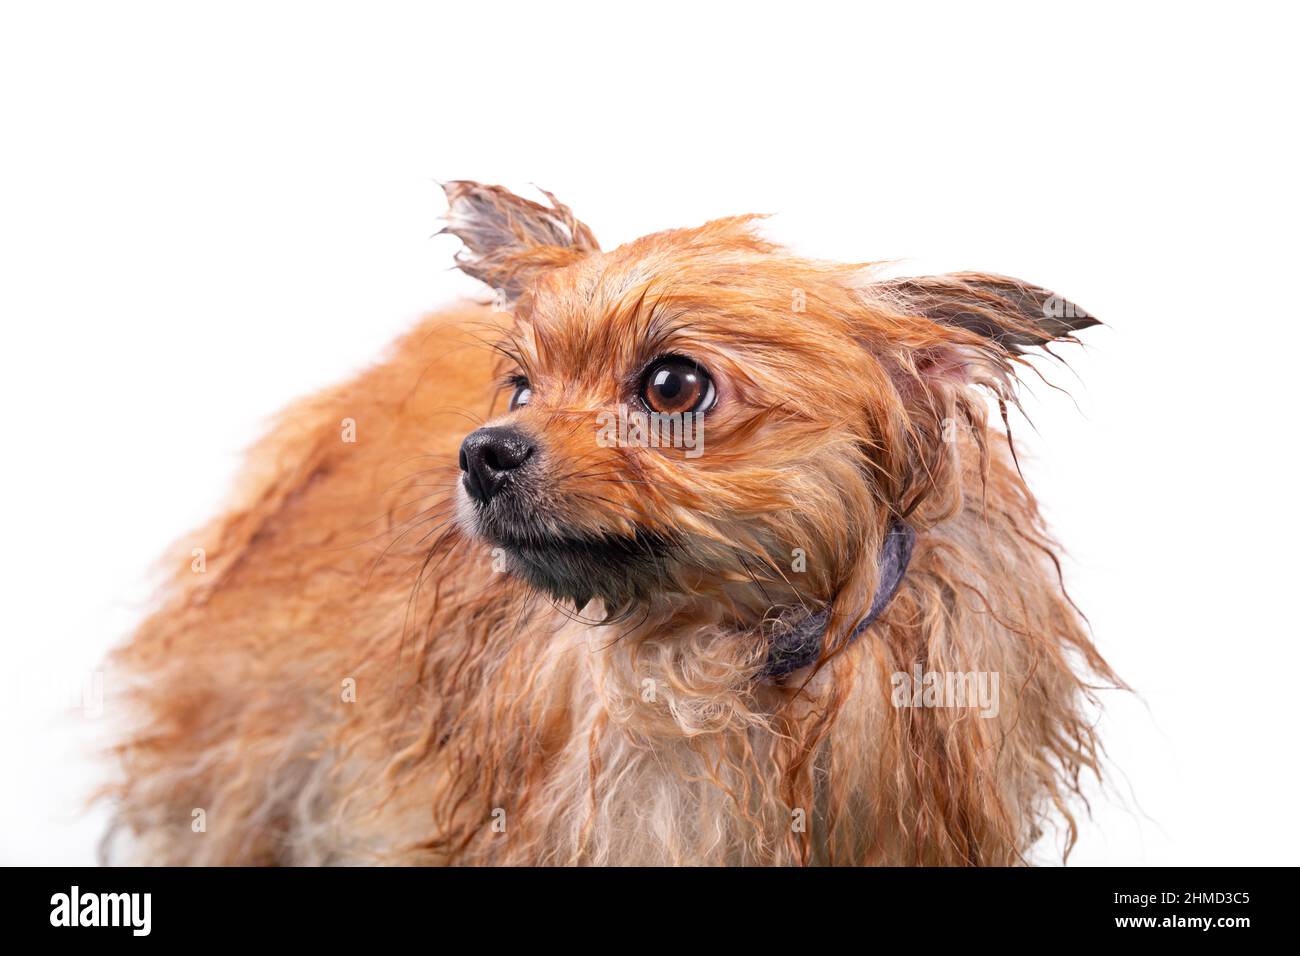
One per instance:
[(801, 645)]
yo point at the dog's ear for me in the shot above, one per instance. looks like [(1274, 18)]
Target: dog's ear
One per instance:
[(978, 324), (1009, 313), (939, 334), (510, 240)]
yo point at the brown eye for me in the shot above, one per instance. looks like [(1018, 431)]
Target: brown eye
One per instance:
[(675, 385)]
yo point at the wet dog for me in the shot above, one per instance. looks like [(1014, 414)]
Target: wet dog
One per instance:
[(690, 552)]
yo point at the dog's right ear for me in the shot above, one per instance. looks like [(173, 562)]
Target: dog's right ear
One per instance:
[(510, 240)]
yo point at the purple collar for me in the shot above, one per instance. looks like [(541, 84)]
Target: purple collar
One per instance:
[(801, 644)]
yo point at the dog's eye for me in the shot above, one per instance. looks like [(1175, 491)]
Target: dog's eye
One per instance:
[(523, 393), (676, 385)]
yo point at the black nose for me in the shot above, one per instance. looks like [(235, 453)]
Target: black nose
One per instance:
[(489, 456)]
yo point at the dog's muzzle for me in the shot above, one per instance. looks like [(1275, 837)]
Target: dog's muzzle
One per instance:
[(490, 457)]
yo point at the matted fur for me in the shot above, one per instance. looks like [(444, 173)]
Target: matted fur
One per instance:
[(494, 724)]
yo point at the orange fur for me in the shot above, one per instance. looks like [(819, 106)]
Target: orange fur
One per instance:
[(491, 724)]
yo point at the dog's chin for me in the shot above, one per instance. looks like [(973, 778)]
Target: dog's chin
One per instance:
[(622, 571)]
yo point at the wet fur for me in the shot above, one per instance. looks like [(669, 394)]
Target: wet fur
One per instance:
[(493, 722)]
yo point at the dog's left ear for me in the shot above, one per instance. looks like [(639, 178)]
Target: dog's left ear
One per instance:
[(977, 325), (510, 240), (1007, 312), (939, 334)]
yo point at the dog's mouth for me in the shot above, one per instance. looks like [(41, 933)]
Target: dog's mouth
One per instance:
[(620, 569)]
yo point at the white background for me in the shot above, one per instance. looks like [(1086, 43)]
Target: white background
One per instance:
[(207, 211)]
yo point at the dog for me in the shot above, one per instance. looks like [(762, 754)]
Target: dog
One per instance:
[(691, 552)]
